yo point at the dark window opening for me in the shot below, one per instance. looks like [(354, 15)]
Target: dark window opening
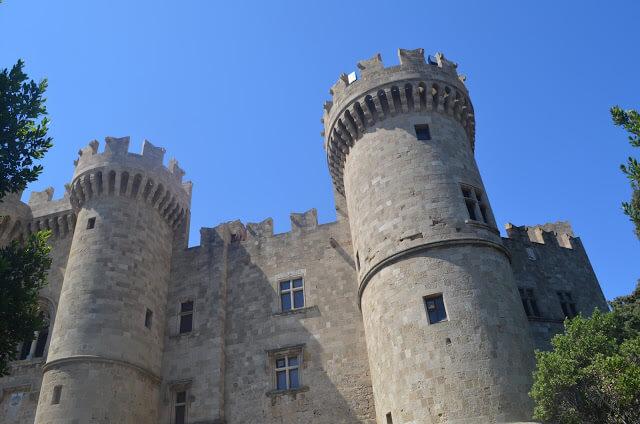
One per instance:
[(148, 318), (41, 341), (567, 304), (91, 223), (186, 317), (357, 261), (471, 208), (389, 419), (181, 408), (529, 302), (57, 393), (422, 132), (435, 309), (26, 348)]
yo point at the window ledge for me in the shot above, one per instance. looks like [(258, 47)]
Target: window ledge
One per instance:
[(304, 310), (276, 393), (541, 319), (185, 335), (27, 362), (480, 224)]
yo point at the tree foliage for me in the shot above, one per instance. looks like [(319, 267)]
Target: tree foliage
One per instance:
[(23, 136), (630, 121), (23, 272), (592, 375), (23, 266)]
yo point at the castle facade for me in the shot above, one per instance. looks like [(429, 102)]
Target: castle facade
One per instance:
[(410, 308)]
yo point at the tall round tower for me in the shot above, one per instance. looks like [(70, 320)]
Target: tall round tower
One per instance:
[(448, 340), (105, 353)]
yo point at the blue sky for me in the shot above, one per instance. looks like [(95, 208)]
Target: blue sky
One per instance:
[(234, 91)]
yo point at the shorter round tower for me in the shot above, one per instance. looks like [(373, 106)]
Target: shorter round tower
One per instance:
[(447, 338), (105, 354)]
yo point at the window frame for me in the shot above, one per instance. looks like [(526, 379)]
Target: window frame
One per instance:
[(182, 314), (286, 352), (291, 292), (435, 297), (476, 204), (173, 388), (567, 304), (529, 302)]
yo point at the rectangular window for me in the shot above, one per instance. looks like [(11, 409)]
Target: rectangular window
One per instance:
[(567, 304), (287, 372), (435, 309), (292, 294), (389, 419), (186, 317), (148, 319), (180, 408), (422, 132), (57, 393), (91, 223), (529, 302), (476, 206)]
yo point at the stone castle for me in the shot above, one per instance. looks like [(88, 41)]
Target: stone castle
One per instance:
[(410, 308)]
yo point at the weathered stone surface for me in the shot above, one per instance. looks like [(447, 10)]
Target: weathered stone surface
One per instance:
[(364, 343)]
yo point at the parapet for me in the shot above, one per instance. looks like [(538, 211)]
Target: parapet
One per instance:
[(417, 85), (553, 234), (116, 172)]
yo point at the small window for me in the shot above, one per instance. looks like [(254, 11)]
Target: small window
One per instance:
[(91, 223), (292, 294), (180, 408), (357, 261), (476, 205), (35, 348), (57, 393), (186, 317), (287, 372), (422, 132), (435, 309), (389, 419), (148, 318), (567, 304), (529, 302)]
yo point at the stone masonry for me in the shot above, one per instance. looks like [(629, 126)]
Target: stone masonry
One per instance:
[(410, 308)]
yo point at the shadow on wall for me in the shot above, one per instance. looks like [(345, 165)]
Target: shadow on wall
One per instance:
[(279, 318)]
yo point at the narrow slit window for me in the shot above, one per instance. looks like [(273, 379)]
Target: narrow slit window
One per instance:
[(57, 393), (435, 309), (422, 132), (186, 317), (389, 419), (148, 319), (180, 408), (91, 222)]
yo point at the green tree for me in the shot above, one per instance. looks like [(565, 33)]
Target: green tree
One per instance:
[(23, 267), (630, 121), (592, 375), (23, 138)]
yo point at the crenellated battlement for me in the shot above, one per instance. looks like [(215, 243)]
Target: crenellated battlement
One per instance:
[(552, 234), (117, 172), (417, 85)]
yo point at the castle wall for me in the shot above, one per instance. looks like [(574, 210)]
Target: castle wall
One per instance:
[(549, 259), (19, 391), (335, 382)]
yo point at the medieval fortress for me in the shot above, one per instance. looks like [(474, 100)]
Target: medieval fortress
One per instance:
[(409, 309)]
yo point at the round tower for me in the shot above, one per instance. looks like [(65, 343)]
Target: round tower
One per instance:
[(105, 354), (447, 338)]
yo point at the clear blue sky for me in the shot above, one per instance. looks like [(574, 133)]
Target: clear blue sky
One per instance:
[(234, 91)]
